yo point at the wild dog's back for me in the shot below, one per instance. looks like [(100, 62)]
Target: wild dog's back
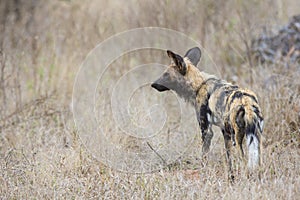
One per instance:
[(220, 92)]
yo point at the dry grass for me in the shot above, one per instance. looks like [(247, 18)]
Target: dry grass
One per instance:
[(42, 46)]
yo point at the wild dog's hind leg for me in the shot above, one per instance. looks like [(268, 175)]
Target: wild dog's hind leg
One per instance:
[(240, 137), (228, 145), (230, 130)]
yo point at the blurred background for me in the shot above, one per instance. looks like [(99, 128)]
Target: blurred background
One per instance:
[(43, 43)]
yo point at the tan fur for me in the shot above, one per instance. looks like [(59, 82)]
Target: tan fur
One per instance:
[(193, 75)]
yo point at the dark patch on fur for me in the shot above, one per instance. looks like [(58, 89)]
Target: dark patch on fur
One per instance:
[(226, 135), (257, 112), (240, 117), (251, 96), (225, 93), (179, 62), (203, 120), (251, 140), (233, 88), (229, 129), (251, 131), (220, 106), (239, 94), (221, 102), (218, 84)]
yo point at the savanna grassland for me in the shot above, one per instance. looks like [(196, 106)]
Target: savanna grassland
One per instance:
[(42, 45)]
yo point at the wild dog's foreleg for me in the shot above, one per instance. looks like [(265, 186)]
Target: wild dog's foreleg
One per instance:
[(228, 145), (205, 126)]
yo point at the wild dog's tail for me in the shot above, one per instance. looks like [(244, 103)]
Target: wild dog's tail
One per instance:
[(253, 145), (252, 121)]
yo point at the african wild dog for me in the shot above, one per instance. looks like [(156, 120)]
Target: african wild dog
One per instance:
[(217, 102)]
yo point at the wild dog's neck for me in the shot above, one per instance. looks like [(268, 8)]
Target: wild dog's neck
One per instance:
[(191, 83)]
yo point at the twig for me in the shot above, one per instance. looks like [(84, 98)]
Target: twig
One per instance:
[(157, 154)]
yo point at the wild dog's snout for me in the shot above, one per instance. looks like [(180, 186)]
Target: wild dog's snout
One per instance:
[(159, 87), (163, 83)]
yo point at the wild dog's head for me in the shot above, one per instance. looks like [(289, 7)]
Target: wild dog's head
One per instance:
[(182, 75)]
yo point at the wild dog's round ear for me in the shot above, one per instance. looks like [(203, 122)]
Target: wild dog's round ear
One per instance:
[(178, 61), (193, 55)]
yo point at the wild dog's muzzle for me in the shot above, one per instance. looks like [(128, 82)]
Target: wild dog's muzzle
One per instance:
[(159, 87)]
